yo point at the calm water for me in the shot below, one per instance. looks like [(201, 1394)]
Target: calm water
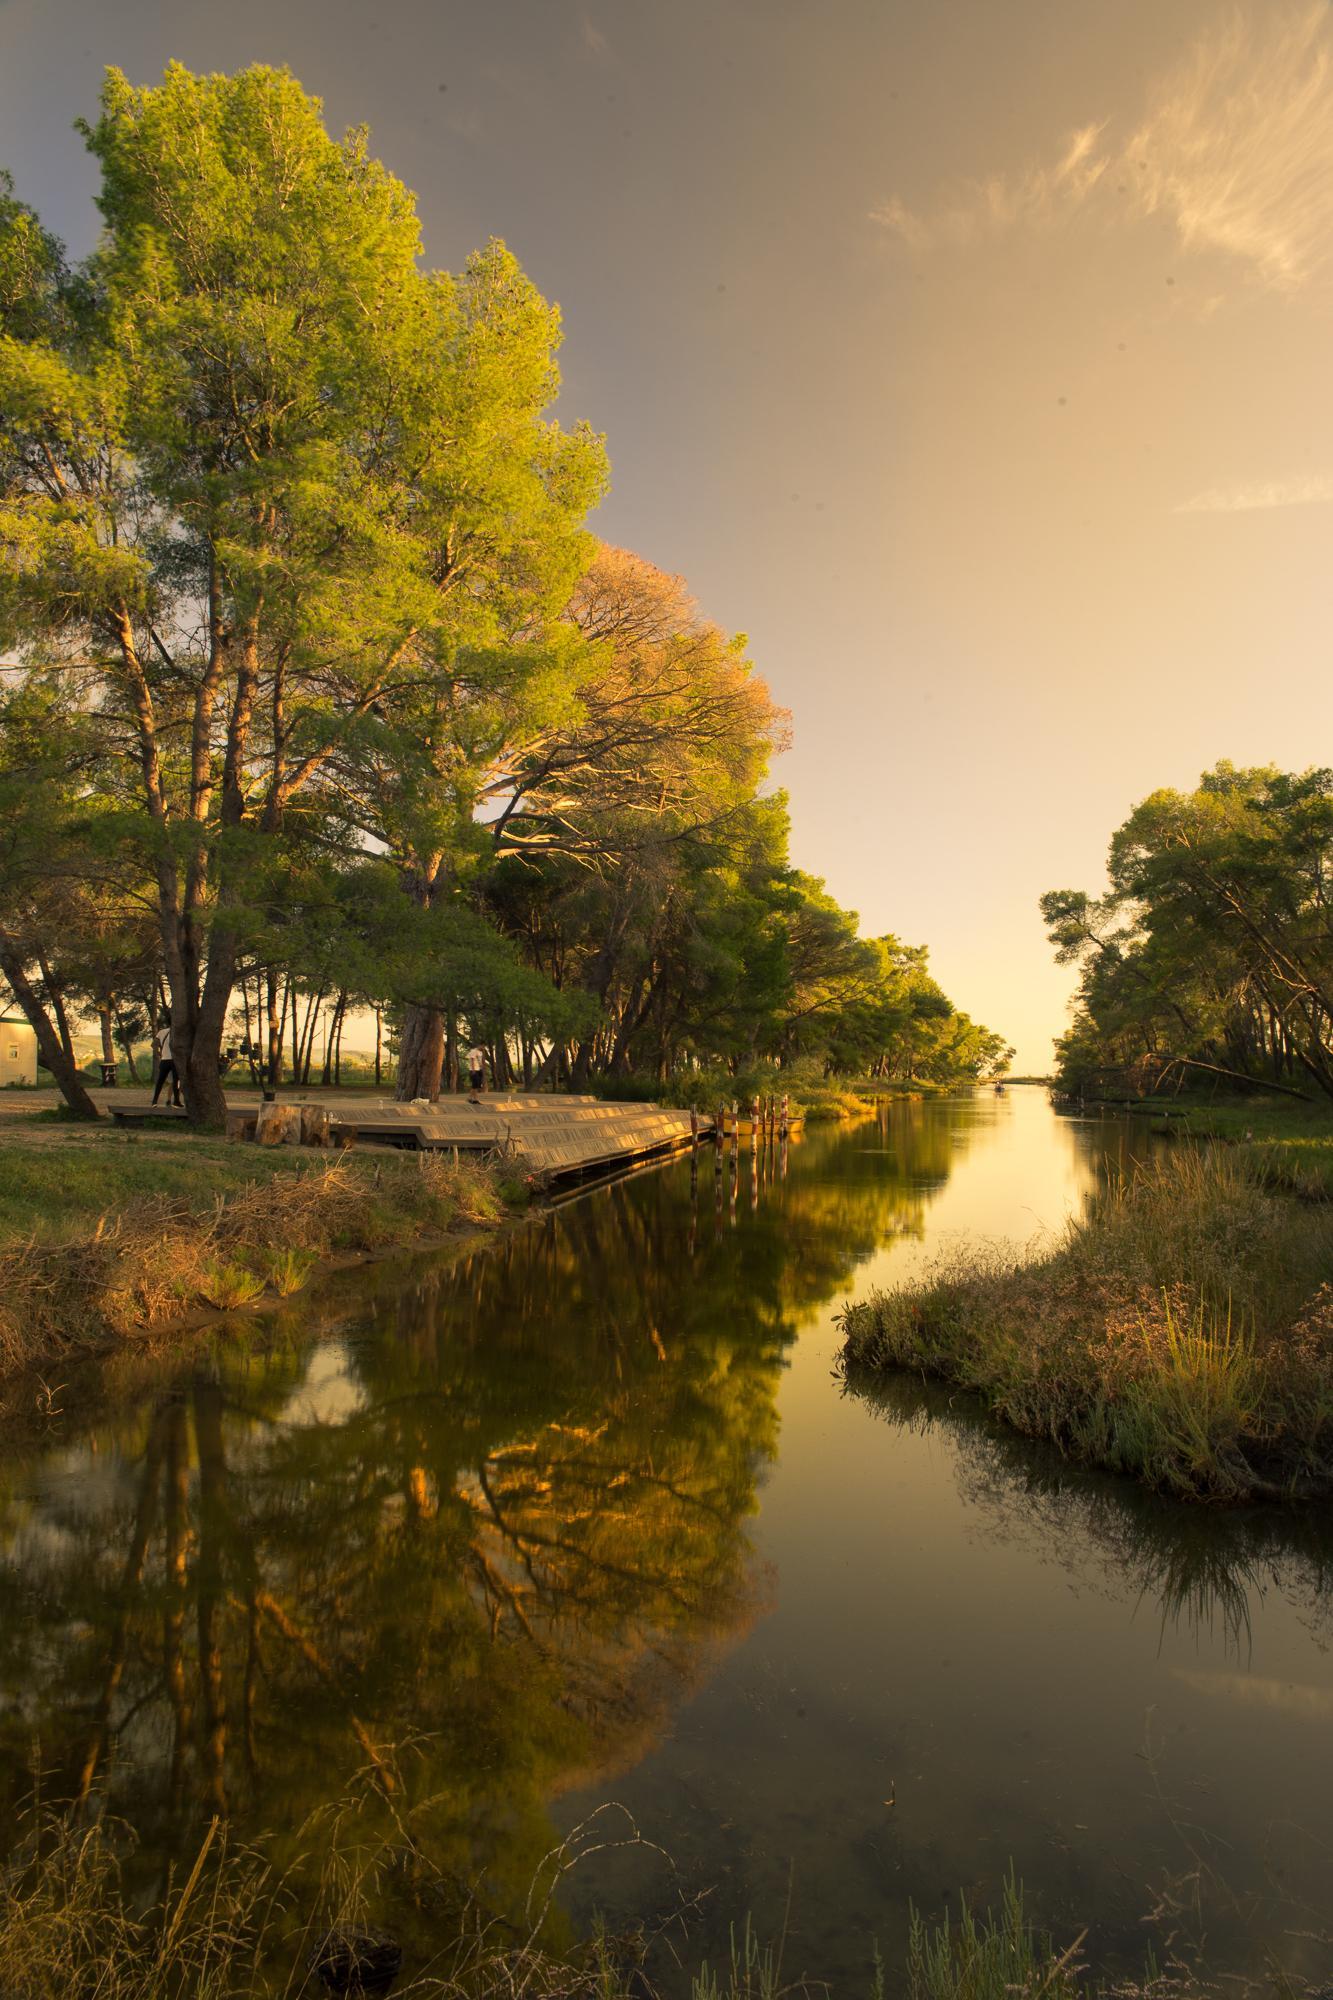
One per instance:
[(585, 1517)]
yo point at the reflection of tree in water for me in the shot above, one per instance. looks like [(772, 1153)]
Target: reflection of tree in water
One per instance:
[(508, 1530), (502, 1520), (1203, 1568)]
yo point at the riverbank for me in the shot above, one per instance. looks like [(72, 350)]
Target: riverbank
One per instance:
[(108, 1237), (1287, 1142), (1181, 1332)]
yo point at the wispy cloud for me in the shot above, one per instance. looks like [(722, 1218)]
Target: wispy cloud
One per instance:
[(1312, 489), (593, 38), (1235, 147), (1036, 196)]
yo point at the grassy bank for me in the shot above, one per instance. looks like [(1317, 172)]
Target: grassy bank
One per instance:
[(107, 1238), (812, 1096), (1182, 1332), (238, 1926), (1288, 1143)]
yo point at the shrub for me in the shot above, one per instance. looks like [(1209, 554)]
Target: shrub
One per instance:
[(227, 1285)]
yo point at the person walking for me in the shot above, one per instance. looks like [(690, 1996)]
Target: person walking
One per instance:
[(166, 1065), (476, 1071)]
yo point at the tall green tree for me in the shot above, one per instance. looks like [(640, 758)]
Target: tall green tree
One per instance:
[(276, 493), (1212, 950)]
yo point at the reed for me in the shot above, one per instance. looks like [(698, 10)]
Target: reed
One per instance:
[(999, 1956)]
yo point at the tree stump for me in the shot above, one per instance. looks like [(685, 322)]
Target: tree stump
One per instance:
[(280, 1125), (314, 1125)]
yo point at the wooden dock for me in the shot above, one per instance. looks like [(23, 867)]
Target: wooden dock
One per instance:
[(558, 1137)]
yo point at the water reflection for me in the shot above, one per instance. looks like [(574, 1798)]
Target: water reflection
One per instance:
[(502, 1516), (1203, 1574), (512, 1533)]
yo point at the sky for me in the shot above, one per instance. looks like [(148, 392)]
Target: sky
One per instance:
[(973, 360)]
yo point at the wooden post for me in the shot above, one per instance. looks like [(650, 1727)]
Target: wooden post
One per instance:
[(785, 1121), (754, 1121), (719, 1134), (694, 1134)]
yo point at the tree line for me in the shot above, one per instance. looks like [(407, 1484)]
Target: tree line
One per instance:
[(1210, 957), (317, 691)]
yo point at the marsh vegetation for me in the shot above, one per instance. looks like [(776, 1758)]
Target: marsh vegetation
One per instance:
[(1181, 1330)]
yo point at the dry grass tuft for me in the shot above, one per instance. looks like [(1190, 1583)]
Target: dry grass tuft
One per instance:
[(1182, 1332)]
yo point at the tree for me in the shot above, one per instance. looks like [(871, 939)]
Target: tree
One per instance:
[(271, 490), (1212, 949), (644, 728)]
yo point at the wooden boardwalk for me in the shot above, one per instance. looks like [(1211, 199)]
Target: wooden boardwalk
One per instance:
[(556, 1136)]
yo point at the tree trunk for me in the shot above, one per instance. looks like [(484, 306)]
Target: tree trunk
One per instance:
[(420, 1053), (127, 1044), (314, 1007), (198, 1050), (50, 1045), (379, 1047), (338, 1026)]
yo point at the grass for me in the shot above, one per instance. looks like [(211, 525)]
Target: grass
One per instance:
[(235, 1925), (1000, 1956), (57, 1178), (1286, 1142), (1181, 1332), (155, 1233)]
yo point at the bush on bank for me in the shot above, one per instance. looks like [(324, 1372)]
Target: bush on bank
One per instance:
[(811, 1094), (1182, 1331)]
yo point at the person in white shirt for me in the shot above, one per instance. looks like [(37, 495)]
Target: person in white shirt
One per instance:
[(476, 1070), (166, 1065)]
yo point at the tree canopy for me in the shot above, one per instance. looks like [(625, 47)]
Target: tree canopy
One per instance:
[(1211, 952), (341, 702)]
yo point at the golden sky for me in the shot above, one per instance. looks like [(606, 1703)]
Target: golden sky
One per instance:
[(972, 359)]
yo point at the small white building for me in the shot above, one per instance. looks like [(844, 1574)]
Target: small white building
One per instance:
[(18, 1051)]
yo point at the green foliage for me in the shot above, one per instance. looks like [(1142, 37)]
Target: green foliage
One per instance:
[(320, 679), (226, 1284), (284, 1270), (1210, 956)]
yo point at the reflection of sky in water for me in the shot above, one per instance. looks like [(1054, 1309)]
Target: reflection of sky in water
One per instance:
[(1015, 1177), (328, 1392)]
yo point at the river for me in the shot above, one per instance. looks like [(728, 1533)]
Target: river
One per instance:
[(577, 1535)]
